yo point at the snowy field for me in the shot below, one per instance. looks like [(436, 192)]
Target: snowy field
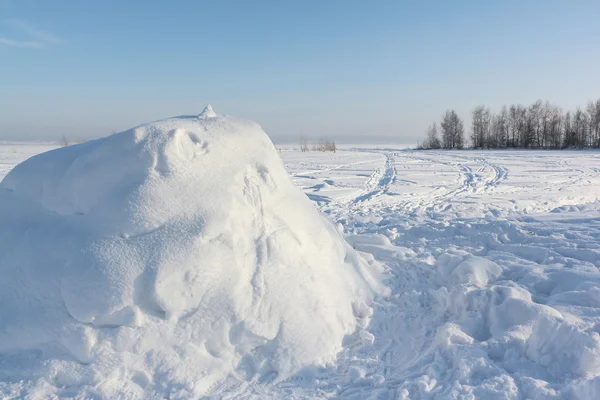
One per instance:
[(493, 263), (492, 260), (13, 153)]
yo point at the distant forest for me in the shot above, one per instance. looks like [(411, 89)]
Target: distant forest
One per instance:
[(540, 126)]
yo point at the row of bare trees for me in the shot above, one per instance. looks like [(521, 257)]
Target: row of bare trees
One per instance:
[(322, 145), (541, 125)]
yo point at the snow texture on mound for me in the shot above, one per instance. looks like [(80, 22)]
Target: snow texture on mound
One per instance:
[(165, 260)]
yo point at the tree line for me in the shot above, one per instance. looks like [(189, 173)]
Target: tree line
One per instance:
[(541, 125), (322, 145)]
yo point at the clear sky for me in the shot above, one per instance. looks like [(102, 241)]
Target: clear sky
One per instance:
[(368, 69)]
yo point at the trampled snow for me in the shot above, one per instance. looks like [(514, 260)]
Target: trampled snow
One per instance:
[(492, 259), (175, 259)]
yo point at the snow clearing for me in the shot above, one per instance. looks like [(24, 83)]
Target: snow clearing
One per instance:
[(474, 274)]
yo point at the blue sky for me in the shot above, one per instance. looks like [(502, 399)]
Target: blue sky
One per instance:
[(378, 70)]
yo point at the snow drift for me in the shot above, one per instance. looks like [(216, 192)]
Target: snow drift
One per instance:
[(167, 259)]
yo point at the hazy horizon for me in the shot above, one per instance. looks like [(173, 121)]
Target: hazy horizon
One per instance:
[(340, 69), (287, 141)]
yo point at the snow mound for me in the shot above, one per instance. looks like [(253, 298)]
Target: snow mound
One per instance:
[(170, 258)]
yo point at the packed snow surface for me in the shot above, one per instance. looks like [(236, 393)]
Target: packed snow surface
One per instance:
[(492, 260), (175, 259)]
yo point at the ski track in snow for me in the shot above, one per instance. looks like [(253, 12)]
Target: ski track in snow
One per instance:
[(492, 260), (522, 235), (379, 182)]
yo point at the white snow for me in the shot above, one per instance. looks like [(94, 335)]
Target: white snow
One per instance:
[(208, 112), (492, 261), (12, 153), (175, 259)]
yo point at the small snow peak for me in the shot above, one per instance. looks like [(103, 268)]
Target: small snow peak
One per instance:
[(207, 113)]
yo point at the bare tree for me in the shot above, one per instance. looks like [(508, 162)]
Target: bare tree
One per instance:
[(495, 137), (480, 127), (303, 144), (502, 128), (555, 132), (513, 126), (459, 132), (579, 127), (532, 133), (433, 140), (569, 136), (593, 111), (522, 127), (452, 131)]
